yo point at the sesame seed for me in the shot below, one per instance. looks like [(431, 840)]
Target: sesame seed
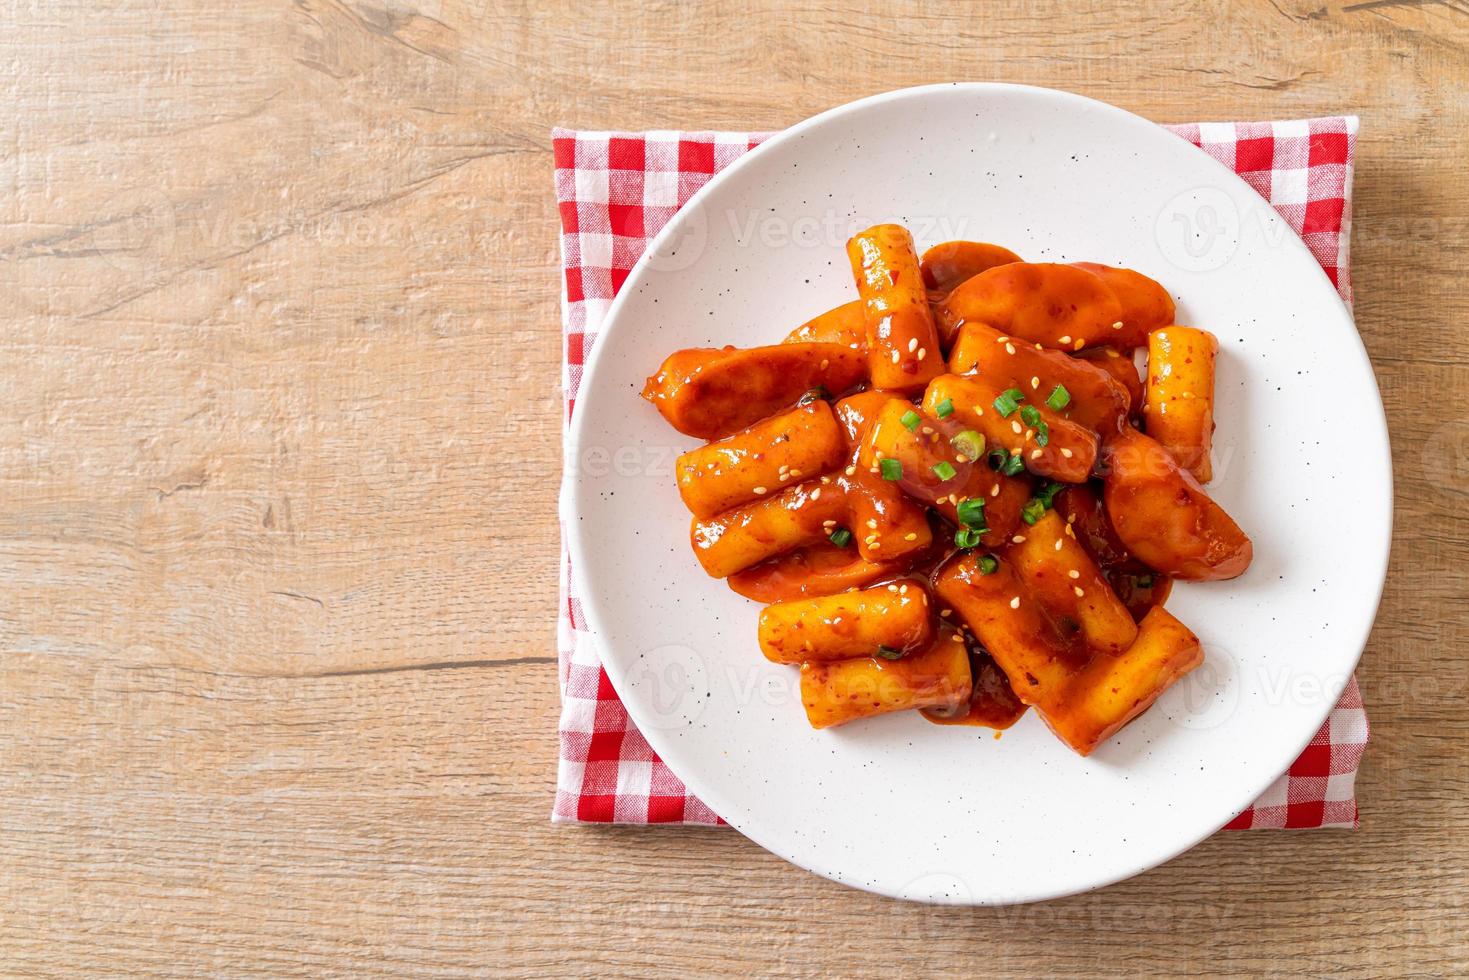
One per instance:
[(795, 472), (927, 431), (1015, 603), (1035, 454), (874, 545), (1070, 533), (872, 522), (1066, 452), (1009, 348), (1001, 340), (825, 480), (958, 638), (877, 454), (1078, 345), (1035, 382), (913, 345), (834, 524), (816, 494), (1073, 573), (910, 536), (922, 353), (893, 588), (759, 490), (1058, 544), (851, 471), (1066, 339), (1015, 427), (903, 589), (1079, 591), (995, 490), (869, 539), (1018, 539), (896, 356), (1117, 325), (824, 363), (1029, 434)]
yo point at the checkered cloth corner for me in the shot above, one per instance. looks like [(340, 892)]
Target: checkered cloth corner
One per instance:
[(616, 190)]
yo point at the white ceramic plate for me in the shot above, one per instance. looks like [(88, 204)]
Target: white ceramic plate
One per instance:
[(894, 804)]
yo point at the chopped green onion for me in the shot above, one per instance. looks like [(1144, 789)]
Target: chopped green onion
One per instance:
[(969, 444), (1058, 399), (966, 537), (841, 537), (1036, 507), (889, 653), (1007, 463), (891, 469), (988, 565), (944, 470), (1009, 401), (944, 408), (1030, 415), (1042, 434), (911, 419), (1047, 494), (971, 512)]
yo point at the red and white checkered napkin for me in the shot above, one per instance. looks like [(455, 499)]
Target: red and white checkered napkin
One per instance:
[(616, 190)]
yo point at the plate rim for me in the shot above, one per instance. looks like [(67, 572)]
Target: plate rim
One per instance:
[(1333, 686)]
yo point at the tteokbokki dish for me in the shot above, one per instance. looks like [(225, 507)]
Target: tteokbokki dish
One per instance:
[(957, 494)]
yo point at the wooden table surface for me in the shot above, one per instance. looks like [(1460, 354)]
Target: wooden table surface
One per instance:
[(279, 434)]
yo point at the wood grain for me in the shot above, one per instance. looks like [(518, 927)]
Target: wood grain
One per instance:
[(278, 405)]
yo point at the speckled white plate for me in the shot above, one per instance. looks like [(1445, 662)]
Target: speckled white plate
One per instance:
[(945, 814)]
